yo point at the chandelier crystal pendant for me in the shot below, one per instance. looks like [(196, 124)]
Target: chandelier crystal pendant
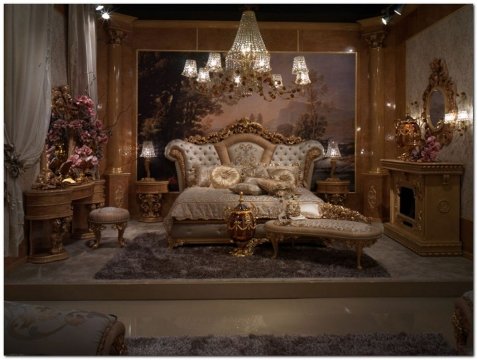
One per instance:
[(247, 69)]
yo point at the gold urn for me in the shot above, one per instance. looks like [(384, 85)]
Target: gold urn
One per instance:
[(408, 137), (241, 222)]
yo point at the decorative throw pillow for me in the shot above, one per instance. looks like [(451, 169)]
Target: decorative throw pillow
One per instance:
[(276, 187), (311, 211), (202, 174), (251, 180), (247, 189), (294, 169), (283, 175), (256, 171), (223, 177)]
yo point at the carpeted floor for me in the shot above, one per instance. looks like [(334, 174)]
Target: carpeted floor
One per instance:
[(262, 345), (148, 257)]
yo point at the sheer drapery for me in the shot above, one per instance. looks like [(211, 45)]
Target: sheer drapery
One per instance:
[(27, 105), (82, 50)]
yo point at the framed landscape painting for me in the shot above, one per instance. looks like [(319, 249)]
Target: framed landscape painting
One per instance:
[(324, 111)]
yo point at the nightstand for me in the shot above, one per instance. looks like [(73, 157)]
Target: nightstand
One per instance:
[(149, 197), (334, 191)]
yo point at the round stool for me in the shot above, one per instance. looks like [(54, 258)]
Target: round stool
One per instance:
[(98, 218)]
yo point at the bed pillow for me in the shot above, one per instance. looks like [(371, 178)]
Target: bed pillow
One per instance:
[(247, 189), (276, 187), (224, 177)]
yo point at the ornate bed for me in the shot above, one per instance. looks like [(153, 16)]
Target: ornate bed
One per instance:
[(255, 153)]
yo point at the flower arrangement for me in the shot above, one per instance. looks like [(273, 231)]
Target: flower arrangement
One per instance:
[(430, 149), (74, 123), (428, 153), (82, 160)]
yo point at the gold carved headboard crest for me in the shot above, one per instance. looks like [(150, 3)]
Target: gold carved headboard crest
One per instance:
[(244, 126)]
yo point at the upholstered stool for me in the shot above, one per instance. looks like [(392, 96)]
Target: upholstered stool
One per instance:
[(40, 330), (98, 218)]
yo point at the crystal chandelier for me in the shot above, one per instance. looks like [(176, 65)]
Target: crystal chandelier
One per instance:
[(247, 69)]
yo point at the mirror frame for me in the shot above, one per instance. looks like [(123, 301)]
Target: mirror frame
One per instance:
[(439, 80)]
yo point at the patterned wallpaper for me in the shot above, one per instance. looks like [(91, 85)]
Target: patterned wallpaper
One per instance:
[(451, 39)]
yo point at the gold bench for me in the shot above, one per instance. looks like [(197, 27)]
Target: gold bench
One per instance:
[(352, 234)]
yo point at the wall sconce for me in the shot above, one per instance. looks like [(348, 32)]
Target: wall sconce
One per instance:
[(463, 120), (333, 152), (457, 123), (147, 153)]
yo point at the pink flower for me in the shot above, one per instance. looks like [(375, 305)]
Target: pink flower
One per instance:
[(430, 150), (82, 124)]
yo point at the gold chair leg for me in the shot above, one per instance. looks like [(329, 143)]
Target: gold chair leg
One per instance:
[(96, 229), (121, 227), (274, 239)]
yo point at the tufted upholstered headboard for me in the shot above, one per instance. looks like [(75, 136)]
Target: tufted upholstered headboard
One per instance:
[(242, 143)]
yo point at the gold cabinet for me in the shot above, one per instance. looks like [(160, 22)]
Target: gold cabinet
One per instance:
[(334, 191), (149, 198), (425, 206)]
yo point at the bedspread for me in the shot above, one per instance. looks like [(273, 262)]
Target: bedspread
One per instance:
[(202, 203)]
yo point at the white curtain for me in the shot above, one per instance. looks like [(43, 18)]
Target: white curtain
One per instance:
[(27, 105), (82, 50)]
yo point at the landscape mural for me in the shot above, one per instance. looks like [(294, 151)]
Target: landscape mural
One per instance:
[(326, 110)]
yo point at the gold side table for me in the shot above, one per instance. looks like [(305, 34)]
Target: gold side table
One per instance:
[(334, 191), (149, 197)]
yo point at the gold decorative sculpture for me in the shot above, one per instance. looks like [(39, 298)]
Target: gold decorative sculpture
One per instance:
[(408, 137)]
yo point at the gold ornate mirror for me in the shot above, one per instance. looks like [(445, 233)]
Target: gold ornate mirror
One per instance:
[(436, 107), (439, 99)]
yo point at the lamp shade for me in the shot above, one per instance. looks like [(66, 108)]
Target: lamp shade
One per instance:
[(214, 63), (147, 150), (203, 76), (190, 69), (333, 150), (299, 65)]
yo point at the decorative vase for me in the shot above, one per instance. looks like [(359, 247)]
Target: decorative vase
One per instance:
[(241, 223)]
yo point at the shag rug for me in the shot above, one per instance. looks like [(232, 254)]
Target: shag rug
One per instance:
[(262, 345), (148, 257)]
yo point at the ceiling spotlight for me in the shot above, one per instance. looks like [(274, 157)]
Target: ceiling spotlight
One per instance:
[(385, 19), (99, 7), (398, 9), (105, 15)]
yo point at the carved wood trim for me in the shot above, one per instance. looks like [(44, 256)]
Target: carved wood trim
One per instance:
[(244, 126)]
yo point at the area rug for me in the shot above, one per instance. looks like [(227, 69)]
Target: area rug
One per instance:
[(266, 345), (148, 257)]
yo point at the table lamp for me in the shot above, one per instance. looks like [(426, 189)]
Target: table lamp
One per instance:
[(333, 152), (147, 153)]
